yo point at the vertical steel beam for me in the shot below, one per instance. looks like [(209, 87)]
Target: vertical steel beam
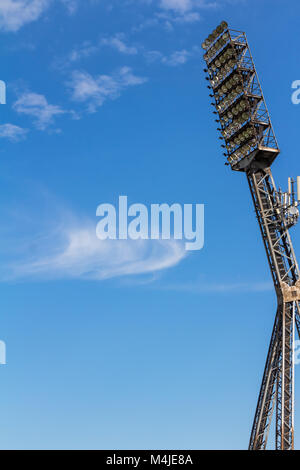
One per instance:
[(285, 419), (267, 394)]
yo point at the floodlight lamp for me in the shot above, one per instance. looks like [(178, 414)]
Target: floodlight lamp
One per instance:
[(224, 25), (219, 29), (224, 89)]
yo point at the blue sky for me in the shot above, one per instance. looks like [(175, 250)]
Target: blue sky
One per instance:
[(137, 345)]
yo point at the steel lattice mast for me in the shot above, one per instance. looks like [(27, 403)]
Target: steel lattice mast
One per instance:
[(250, 146)]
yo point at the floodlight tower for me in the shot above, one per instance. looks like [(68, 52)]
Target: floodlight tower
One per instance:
[(250, 146)]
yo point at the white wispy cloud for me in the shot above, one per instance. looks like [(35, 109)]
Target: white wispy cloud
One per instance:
[(178, 5), (95, 90), (202, 287), (170, 12), (16, 13), (176, 58), (71, 250), (12, 132), (118, 43), (86, 49), (71, 5), (169, 18), (37, 106), (183, 6)]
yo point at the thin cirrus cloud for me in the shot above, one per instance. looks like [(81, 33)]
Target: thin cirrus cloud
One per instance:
[(168, 13), (71, 250), (71, 5), (118, 42), (14, 14), (183, 6), (176, 58), (95, 90), (218, 287), (177, 11), (36, 106), (169, 19), (87, 48), (178, 5), (12, 132)]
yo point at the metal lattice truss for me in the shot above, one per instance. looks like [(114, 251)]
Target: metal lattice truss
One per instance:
[(277, 386), (251, 147)]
